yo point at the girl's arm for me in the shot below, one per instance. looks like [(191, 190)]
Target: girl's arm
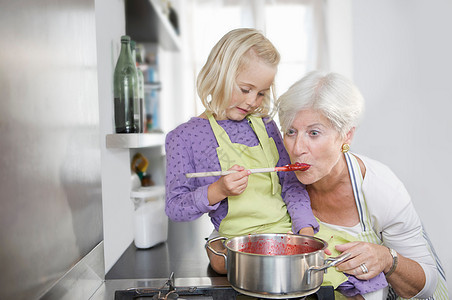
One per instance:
[(293, 191), (186, 198)]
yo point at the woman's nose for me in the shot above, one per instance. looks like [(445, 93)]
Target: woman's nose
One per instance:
[(298, 147)]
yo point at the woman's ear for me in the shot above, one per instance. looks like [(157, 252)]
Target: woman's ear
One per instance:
[(349, 136)]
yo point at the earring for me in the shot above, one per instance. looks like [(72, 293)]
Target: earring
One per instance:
[(345, 148)]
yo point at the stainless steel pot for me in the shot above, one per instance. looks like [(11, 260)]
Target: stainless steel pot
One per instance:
[(276, 266)]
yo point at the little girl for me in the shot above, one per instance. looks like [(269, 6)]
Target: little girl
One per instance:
[(235, 133)]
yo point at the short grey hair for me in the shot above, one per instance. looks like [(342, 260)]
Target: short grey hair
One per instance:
[(332, 94)]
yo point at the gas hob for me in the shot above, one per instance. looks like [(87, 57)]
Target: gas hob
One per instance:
[(169, 291)]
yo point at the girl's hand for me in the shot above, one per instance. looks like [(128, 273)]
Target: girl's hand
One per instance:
[(374, 258), (310, 232), (234, 184), (307, 231), (229, 185)]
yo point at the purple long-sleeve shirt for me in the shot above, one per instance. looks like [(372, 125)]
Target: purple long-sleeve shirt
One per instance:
[(191, 147)]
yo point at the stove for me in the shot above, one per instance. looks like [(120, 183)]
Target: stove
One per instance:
[(170, 292)]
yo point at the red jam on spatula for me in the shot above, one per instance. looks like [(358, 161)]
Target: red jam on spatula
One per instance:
[(294, 167)]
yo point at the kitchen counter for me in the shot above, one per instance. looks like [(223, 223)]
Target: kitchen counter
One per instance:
[(183, 253)]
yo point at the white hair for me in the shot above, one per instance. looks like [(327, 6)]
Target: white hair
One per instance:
[(332, 94)]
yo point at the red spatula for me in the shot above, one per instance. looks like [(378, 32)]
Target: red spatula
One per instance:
[(292, 167)]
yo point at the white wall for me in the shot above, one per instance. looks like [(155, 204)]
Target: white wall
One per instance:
[(116, 203), (402, 64), (339, 36)]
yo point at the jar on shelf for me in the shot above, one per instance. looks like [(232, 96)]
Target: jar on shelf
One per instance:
[(150, 220)]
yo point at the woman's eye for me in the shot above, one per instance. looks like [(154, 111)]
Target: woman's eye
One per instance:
[(245, 91), (314, 133), (290, 132), (261, 94)]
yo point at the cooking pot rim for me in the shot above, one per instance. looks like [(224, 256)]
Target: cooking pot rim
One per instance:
[(325, 244)]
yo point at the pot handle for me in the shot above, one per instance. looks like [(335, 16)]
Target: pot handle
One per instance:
[(330, 262), (208, 246)]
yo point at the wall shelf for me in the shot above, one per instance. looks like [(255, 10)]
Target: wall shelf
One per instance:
[(146, 22), (167, 35), (148, 191), (152, 86), (135, 140)]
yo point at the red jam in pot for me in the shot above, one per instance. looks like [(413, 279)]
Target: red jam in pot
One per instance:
[(272, 247)]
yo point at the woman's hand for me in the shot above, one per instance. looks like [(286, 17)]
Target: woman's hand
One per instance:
[(229, 185), (367, 260), (407, 280)]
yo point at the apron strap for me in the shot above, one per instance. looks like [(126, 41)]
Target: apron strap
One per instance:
[(259, 128), (354, 173), (221, 136)]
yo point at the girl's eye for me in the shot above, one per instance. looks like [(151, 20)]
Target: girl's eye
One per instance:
[(245, 91), (262, 94)]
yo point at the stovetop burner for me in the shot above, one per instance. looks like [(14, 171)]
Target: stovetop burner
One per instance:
[(179, 293), (169, 292)]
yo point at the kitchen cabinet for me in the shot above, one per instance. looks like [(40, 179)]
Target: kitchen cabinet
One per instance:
[(147, 24), (118, 149)]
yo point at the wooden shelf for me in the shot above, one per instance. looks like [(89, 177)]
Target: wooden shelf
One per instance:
[(135, 140)]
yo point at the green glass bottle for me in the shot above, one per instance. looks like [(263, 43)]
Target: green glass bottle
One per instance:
[(125, 83), (140, 87)]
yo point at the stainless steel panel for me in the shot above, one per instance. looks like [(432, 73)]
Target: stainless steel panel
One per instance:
[(51, 210), (82, 280)]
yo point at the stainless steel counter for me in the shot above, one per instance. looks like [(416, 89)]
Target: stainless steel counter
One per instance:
[(183, 254)]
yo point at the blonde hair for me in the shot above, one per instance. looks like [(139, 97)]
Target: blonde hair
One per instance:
[(332, 94), (227, 58)]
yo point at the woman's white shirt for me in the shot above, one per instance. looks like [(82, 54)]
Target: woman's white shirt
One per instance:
[(395, 221)]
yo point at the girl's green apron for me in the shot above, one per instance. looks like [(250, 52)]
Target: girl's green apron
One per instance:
[(260, 208)]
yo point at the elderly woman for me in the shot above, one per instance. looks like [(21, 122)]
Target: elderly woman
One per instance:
[(356, 195)]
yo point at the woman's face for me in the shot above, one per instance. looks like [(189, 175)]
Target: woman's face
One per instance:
[(251, 85), (313, 140)]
